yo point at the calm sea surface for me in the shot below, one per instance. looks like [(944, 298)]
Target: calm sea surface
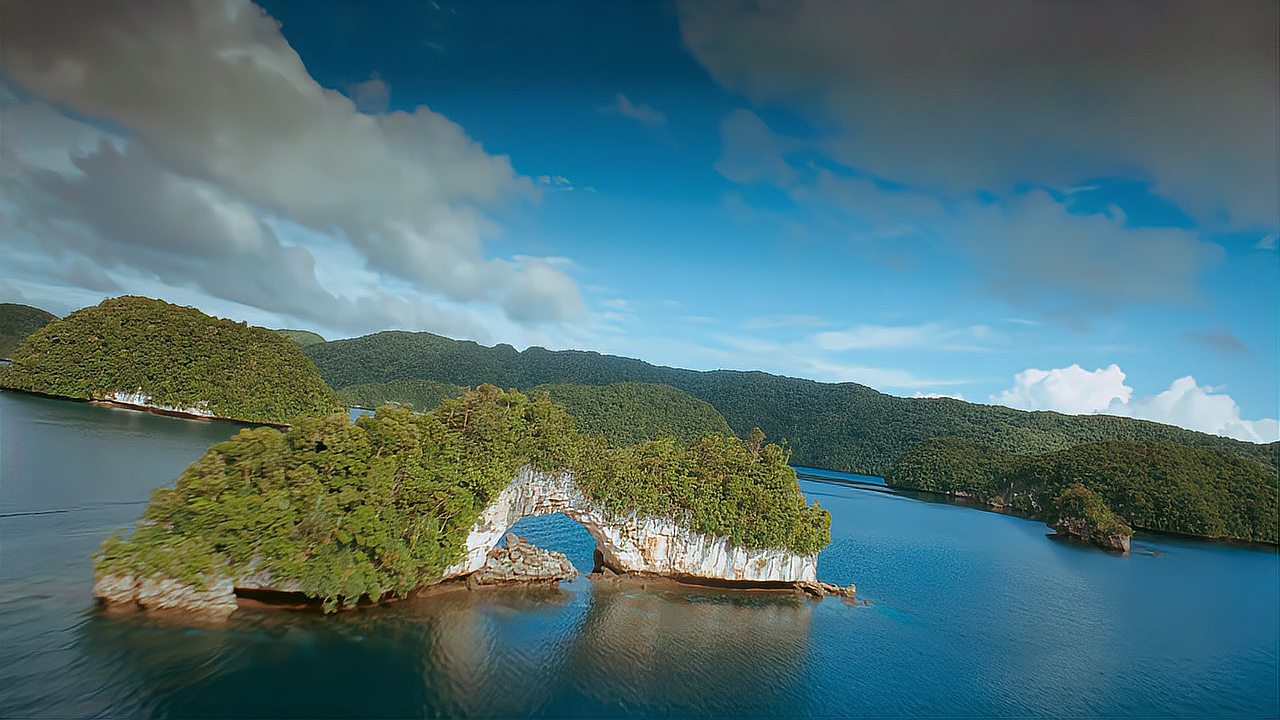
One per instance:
[(972, 614)]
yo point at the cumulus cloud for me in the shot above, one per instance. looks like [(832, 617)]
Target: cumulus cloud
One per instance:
[(640, 112), (221, 118), (958, 97), (1185, 403), (1070, 389), (1197, 407), (371, 96)]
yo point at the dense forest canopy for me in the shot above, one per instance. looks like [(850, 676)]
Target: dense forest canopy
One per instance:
[(420, 395), (843, 426), (629, 413), (1150, 485), (17, 322), (384, 505), (177, 355), (622, 413)]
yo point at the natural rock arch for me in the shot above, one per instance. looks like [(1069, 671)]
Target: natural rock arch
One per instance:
[(631, 544)]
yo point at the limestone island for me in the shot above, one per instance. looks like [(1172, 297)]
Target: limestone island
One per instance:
[(151, 355), (345, 514)]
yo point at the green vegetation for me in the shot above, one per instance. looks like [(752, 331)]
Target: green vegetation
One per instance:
[(17, 322), (629, 413), (622, 413), (1079, 511), (302, 337), (1150, 485), (177, 355), (383, 506), (840, 427), (418, 395)]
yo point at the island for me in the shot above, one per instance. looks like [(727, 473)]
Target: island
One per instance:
[(345, 513), (152, 355), (1100, 491)]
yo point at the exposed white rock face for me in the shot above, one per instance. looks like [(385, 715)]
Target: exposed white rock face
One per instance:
[(629, 544), (218, 598), (140, 399)]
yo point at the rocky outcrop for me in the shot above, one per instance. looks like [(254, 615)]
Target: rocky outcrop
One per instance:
[(630, 544), (217, 598), (522, 563), (1082, 529)]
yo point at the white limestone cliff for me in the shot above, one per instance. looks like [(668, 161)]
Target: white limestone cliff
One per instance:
[(631, 544), (143, 401)]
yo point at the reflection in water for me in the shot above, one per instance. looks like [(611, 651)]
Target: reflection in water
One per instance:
[(588, 650)]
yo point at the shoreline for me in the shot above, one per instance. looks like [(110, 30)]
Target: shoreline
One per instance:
[(970, 501), (141, 407)]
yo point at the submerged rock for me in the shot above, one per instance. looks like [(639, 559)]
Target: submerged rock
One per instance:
[(522, 562)]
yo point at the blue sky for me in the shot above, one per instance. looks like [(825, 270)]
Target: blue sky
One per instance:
[(894, 194)]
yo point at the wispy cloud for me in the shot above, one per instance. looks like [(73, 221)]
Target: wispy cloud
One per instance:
[(640, 112), (1220, 339), (779, 322), (890, 337)]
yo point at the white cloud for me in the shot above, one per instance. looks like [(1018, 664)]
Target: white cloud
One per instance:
[(1196, 407), (1268, 242), (372, 96), (919, 394), (640, 112), (986, 95), (1070, 389), (229, 116), (1185, 404)]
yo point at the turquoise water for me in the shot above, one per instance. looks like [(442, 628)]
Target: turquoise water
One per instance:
[(972, 614)]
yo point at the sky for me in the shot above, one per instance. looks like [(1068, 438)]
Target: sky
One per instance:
[(1067, 206)]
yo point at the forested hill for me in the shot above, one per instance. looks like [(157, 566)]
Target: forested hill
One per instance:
[(17, 322), (178, 356), (845, 426), (1151, 485), (631, 413), (622, 413)]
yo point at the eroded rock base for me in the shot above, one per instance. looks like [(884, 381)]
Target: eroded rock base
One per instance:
[(522, 563)]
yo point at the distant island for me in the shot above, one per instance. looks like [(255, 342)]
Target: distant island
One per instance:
[(1099, 491), (17, 322), (148, 353), (347, 513)]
